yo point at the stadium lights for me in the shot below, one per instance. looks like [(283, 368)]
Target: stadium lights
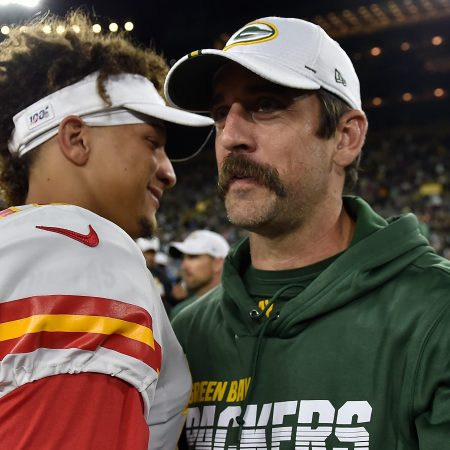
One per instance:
[(407, 97), (47, 29), (375, 51), (27, 3), (377, 101), (437, 40), (405, 46)]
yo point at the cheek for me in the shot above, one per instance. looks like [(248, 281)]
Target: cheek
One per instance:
[(219, 157)]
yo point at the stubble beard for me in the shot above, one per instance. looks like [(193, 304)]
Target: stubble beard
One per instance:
[(242, 210), (197, 284), (147, 227), (249, 214)]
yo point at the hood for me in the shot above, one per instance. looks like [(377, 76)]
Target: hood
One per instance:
[(390, 247)]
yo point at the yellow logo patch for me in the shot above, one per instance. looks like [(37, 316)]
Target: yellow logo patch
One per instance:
[(253, 33)]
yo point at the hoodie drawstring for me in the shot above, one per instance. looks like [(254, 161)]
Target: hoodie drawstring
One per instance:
[(257, 315)]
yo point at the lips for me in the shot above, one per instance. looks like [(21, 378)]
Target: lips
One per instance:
[(242, 180), (156, 194)]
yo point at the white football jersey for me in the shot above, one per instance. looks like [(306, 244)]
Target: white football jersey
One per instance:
[(76, 296)]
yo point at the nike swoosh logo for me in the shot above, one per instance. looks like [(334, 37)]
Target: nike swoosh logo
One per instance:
[(90, 239)]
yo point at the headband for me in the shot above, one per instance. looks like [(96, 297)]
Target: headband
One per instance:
[(129, 94)]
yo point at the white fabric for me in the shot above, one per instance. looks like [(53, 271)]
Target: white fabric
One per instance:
[(146, 244), (35, 262), (40, 121), (202, 242), (286, 51), (161, 258)]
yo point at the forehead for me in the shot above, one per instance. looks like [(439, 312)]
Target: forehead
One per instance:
[(155, 125), (150, 120), (201, 257), (234, 78)]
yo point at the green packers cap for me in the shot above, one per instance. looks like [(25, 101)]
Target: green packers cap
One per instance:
[(286, 51)]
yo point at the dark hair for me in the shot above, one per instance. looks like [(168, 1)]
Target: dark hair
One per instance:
[(332, 108), (34, 64)]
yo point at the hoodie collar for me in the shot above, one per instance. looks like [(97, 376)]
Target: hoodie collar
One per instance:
[(384, 248)]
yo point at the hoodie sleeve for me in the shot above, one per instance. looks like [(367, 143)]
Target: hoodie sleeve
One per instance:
[(431, 388)]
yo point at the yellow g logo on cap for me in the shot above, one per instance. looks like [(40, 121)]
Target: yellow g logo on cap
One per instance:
[(253, 33)]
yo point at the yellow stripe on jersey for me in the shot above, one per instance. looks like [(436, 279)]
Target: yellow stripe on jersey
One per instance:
[(78, 324)]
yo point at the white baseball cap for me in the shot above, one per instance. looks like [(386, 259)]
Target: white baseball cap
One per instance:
[(201, 242), (146, 244), (286, 51), (161, 258), (134, 99)]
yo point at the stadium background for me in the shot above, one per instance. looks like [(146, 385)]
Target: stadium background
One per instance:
[(401, 51)]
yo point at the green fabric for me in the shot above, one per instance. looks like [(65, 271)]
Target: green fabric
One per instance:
[(181, 305), (360, 355), (261, 284)]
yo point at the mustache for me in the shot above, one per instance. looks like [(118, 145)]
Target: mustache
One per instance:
[(239, 166)]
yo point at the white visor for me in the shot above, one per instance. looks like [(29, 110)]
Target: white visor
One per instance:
[(128, 92)]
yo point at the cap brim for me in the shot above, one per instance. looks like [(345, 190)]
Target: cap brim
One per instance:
[(174, 250), (187, 133), (189, 82), (177, 249), (170, 114)]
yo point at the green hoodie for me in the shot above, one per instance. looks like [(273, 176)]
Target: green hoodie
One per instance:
[(360, 359)]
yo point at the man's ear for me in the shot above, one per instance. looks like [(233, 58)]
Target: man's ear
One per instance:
[(72, 140), (218, 265), (351, 133)]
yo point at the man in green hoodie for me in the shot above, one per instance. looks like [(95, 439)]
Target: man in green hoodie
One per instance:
[(331, 327)]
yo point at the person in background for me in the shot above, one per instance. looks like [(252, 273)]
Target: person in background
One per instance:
[(161, 260), (202, 255), (150, 248), (331, 326), (88, 359)]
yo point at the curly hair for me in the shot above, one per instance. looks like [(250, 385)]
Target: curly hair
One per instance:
[(34, 64)]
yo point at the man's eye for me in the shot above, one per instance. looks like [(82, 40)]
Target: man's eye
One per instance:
[(153, 143), (268, 105), (219, 114)]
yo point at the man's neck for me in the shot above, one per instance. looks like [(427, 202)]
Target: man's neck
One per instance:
[(304, 246), (207, 287)]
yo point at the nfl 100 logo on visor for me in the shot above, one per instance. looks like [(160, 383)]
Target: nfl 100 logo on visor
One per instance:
[(43, 114)]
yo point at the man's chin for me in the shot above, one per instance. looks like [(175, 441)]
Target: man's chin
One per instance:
[(147, 226), (249, 214)]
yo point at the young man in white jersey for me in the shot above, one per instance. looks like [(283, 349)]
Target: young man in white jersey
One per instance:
[(88, 359)]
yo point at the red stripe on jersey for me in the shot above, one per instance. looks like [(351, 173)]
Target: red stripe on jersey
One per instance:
[(84, 341), (84, 306), (6, 212), (74, 304)]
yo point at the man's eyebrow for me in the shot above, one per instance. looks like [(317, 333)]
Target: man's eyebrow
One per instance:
[(268, 88), (156, 123)]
